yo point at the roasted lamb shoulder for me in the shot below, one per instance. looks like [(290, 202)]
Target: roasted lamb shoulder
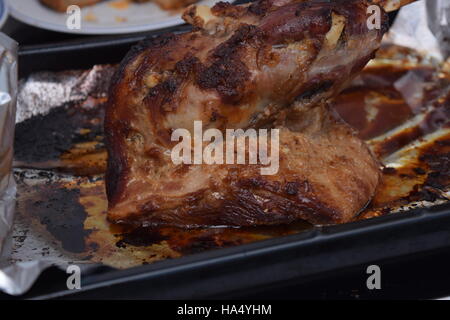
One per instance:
[(270, 64)]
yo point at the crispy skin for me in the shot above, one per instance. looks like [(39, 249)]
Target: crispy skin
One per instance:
[(269, 64)]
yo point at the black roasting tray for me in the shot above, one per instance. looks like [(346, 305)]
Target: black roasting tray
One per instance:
[(311, 254)]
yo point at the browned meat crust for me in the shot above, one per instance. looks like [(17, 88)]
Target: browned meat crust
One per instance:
[(270, 64)]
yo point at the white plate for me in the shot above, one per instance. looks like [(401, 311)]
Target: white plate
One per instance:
[(3, 13), (108, 18)]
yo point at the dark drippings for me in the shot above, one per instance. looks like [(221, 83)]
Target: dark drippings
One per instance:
[(141, 237), (62, 215)]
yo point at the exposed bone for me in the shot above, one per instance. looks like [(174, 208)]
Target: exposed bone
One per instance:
[(332, 37), (200, 16)]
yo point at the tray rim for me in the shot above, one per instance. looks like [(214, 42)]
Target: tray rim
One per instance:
[(113, 280)]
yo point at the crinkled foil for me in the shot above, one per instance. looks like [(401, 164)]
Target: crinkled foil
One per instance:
[(425, 27), (422, 26), (21, 263), (438, 13), (43, 91), (8, 93)]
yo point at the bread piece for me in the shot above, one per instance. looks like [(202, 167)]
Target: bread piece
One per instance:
[(61, 5), (172, 4)]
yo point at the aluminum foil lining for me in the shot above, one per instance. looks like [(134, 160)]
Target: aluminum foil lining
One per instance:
[(37, 95), (44, 91), (8, 93), (425, 27), (417, 26)]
